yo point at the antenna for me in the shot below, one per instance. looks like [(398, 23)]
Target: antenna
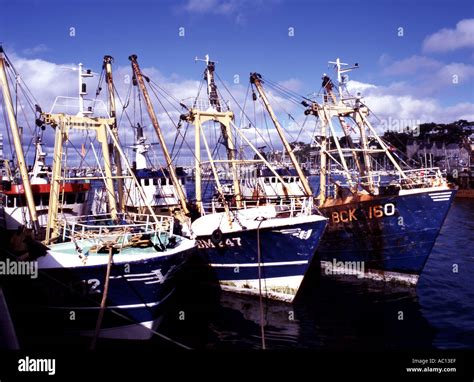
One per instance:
[(342, 79), (82, 85), (206, 59)]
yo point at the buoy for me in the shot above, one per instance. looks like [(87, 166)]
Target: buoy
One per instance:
[(216, 236)]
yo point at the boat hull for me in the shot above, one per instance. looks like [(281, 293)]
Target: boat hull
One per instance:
[(286, 252), (69, 295), (383, 237)]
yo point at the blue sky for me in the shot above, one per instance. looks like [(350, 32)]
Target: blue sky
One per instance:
[(244, 36), (407, 76)]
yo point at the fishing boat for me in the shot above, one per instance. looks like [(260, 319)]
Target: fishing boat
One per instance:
[(112, 273), (391, 225), (130, 261), (247, 243), (156, 183), (380, 227), (15, 193), (13, 208)]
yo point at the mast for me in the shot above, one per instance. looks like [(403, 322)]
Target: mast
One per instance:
[(365, 151), (323, 164), (225, 127), (255, 79), (17, 143), (154, 120), (112, 112)]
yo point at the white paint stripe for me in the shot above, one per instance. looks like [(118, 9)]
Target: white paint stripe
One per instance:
[(275, 264), (143, 279), (440, 200), (154, 282), (441, 193), (132, 275), (149, 305)]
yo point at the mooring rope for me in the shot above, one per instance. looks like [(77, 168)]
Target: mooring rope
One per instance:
[(104, 299), (262, 319)]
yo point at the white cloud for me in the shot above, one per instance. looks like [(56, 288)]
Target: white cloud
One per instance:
[(463, 72), (408, 108), (235, 9), (292, 84), (212, 6), (411, 65), (447, 40), (356, 86), (40, 48)]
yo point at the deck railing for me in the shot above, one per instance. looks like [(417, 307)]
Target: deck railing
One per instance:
[(291, 206), (102, 227), (422, 177)]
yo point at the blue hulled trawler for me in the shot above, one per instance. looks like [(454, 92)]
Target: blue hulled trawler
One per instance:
[(245, 244), (114, 272), (389, 226), (378, 228)]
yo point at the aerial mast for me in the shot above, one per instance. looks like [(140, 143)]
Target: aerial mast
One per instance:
[(17, 142), (154, 120), (255, 79)]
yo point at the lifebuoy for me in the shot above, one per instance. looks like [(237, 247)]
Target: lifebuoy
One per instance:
[(216, 236)]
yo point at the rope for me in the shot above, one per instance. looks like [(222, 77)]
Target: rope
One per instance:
[(259, 259), (104, 299)]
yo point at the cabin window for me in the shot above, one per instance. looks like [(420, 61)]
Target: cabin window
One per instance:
[(45, 199), (37, 199), (10, 202), (20, 201), (146, 182), (155, 182), (80, 197), (274, 180), (70, 198), (267, 180)]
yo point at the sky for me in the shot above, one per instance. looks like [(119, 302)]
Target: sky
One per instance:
[(415, 57)]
